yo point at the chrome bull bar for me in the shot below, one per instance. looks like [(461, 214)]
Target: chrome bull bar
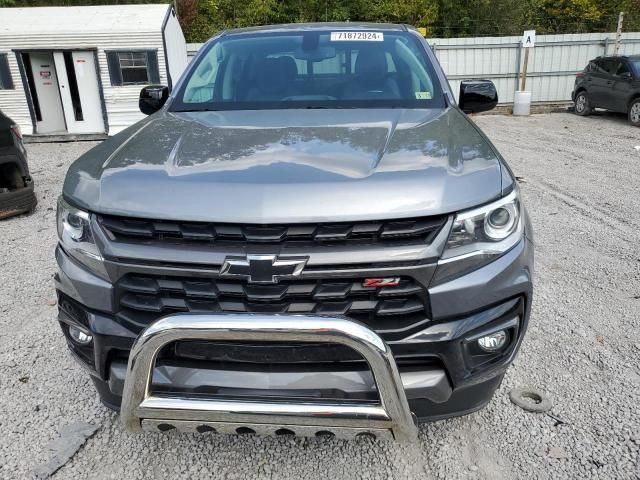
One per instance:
[(144, 410)]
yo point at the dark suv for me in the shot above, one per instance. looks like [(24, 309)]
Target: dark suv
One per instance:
[(16, 186), (612, 83)]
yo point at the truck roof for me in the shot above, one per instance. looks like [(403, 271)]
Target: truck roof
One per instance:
[(293, 27), (629, 57)]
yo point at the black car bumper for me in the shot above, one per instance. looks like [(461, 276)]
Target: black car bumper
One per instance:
[(16, 186)]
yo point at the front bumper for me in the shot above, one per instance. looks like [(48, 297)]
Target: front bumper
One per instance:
[(454, 380), (143, 409)]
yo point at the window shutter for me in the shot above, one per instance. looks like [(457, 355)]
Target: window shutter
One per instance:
[(114, 68), (6, 82), (152, 67)]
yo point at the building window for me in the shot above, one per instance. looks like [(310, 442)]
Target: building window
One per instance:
[(137, 67), (6, 82), (133, 66)]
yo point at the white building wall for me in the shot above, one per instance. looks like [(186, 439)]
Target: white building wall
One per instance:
[(13, 102), (121, 102)]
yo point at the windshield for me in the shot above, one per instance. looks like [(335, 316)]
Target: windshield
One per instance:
[(311, 69)]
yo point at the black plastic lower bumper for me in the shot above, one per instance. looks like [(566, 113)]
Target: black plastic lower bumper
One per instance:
[(462, 401), (443, 378)]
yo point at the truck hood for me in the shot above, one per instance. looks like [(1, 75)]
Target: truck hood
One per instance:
[(278, 166)]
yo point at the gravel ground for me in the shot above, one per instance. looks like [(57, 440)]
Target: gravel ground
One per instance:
[(580, 179)]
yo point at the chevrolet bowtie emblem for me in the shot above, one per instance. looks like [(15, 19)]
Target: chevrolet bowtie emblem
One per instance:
[(263, 268)]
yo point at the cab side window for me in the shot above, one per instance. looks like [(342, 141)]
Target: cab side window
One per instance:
[(599, 66), (610, 65), (622, 68)]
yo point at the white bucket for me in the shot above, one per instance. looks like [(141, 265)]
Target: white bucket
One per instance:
[(522, 103)]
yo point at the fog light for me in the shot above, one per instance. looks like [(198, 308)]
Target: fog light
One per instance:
[(493, 342), (79, 336)]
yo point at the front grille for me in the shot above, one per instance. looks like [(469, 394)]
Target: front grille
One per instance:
[(409, 231), (393, 312), (276, 356)]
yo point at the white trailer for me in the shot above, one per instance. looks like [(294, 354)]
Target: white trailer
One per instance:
[(79, 70)]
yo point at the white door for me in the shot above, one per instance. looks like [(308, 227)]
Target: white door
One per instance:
[(80, 91), (46, 84)]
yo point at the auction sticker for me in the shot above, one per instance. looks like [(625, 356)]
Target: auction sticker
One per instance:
[(357, 36)]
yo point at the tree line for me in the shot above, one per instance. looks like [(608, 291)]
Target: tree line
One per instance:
[(201, 19)]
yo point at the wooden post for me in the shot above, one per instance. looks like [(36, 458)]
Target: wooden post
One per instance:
[(618, 33), (518, 63), (524, 69)]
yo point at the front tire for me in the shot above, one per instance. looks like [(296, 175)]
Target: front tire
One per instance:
[(582, 106), (634, 112)]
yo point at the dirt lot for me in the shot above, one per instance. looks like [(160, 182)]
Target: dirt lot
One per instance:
[(580, 178)]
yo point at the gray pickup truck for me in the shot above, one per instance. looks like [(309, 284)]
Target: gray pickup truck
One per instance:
[(306, 236)]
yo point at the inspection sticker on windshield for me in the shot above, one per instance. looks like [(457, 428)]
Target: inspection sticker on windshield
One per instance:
[(357, 36), (423, 95)]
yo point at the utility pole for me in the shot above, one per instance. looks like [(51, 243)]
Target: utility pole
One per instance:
[(618, 33)]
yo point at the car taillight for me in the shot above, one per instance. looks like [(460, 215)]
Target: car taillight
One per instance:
[(16, 130), (579, 74)]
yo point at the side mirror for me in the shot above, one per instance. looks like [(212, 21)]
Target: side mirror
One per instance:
[(626, 76), (477, 96), (152, 98)]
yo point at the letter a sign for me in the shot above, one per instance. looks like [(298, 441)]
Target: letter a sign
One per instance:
[(528, 39)]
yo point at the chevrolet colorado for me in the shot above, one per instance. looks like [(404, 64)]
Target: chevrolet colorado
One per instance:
[(306, 236)]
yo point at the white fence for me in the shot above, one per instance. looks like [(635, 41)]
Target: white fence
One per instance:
[(553, 63)]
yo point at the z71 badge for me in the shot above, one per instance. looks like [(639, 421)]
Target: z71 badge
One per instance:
[(381, 282)]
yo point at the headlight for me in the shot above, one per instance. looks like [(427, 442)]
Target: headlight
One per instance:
[(76, 237), (481, 235)]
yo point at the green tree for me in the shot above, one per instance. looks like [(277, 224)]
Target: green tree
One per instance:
[(201, 19), (457, 18)]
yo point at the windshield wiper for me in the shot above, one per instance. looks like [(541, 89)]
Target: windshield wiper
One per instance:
[(328, 107), (196, 110)]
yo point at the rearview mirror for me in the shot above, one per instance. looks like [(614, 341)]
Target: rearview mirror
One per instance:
[(316, 55), (152, 98), (477, 96)]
